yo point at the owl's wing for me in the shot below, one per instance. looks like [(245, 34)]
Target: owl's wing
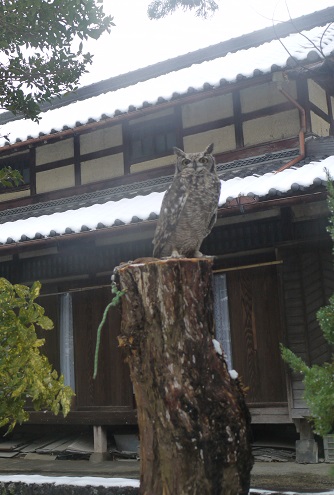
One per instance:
[(171, 208), (212, 222)]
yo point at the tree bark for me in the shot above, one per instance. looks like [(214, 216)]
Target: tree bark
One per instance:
[(193, 422)]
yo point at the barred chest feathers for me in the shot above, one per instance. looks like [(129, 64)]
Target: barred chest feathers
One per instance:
[(189, 208)]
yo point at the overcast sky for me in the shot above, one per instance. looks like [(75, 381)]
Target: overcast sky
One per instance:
[(136, 41)]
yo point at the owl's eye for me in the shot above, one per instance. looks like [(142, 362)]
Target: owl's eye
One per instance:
[(203, 160), (185, 161)]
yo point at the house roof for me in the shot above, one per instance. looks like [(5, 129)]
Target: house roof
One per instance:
[(112, 214), (252, 178), (242, 57)]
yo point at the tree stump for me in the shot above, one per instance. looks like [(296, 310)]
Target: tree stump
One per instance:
[(193, 422)]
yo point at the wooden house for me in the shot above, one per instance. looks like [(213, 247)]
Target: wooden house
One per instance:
[(95, 170)]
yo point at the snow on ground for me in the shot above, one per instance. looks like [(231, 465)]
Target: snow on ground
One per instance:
[(268, 492), (68, 480), (111, 482)]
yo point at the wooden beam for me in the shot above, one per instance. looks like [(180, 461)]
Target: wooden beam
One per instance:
[(77, 160), (271, 415), (99, 416), (244, 267)]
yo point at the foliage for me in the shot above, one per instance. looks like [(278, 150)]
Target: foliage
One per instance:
[(319, 380), (330, 203), (319, 390), (42, 55), (115, 300), (25, 374), (161, 8), (10, 177)]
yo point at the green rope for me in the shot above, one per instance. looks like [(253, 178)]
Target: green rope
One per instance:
[(114, 302)]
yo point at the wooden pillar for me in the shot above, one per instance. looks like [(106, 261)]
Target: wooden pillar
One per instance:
[(193, 422), (306, 447), (100, 445)]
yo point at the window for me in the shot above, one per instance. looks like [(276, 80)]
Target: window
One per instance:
[(18, 162), (152, 139)]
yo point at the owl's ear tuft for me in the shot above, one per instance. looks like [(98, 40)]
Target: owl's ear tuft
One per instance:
[(178, 152), (209, 149)]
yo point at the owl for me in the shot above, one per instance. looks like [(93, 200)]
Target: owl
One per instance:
[(189, 207)]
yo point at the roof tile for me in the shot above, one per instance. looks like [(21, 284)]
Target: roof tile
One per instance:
[(212, 73), (142, 208)]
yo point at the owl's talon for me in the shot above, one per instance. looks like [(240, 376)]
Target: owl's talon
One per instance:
[(198, 254), (176, 254)]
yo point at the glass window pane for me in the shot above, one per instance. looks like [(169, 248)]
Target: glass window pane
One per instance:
[(20, 163), (170, 140), (160, 143), (148, 148), (136, 149), (157, 137)]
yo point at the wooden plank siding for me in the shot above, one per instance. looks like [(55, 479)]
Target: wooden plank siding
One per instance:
[(273, 415), (112, 386), (308, 282), (255, 307), (51, 337), (109, 398), (256, 331)]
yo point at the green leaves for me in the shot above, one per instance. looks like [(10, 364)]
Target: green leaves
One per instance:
[(296, 363), (319, 390), (115, 300), (325, 317), (10, 177), (25, 374), (38, 39), (161, 8)]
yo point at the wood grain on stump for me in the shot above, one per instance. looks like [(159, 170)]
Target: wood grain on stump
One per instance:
[(193, 422)]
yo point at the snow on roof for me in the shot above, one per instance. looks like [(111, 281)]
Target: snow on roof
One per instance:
[(228, 68), (147, 207)]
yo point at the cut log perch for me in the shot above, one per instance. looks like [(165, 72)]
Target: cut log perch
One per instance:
[(193, 422)]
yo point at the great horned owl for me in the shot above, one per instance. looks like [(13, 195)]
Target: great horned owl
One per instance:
[(189, 207)]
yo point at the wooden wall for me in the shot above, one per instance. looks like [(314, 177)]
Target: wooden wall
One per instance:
[(263, 302), (256, 331), (51, 337), (308, 282), (112, 386), (110, 394)]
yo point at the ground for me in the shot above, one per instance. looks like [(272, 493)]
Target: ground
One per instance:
[(290, 476), (275, 476)]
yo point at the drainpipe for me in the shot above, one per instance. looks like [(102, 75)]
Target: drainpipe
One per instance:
[(302, 117)]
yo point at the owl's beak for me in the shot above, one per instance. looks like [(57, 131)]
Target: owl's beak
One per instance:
[(197, 166)]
